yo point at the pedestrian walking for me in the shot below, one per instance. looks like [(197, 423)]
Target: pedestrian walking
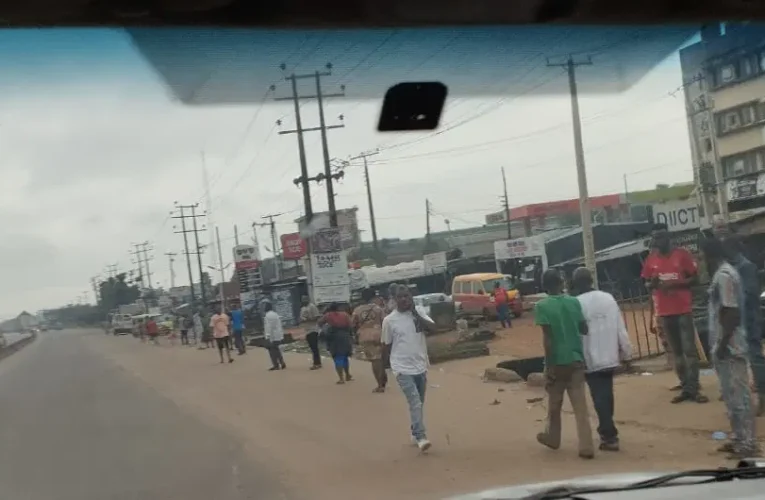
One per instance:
[(563, 322), (669, 273), (309, 315), (605, 347), (186, 324), (199, 328), (403, 334), (274, 335), (219, 322), (337, 331), (502, 304), (237, 328), (152, 330), (752, 323), (367, 321), (727, 338)]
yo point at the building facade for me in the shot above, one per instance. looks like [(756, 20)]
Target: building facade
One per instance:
[(724, 84)]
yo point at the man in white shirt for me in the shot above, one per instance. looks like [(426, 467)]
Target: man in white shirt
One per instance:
[(274, 334), (605, 346), (403, 335)]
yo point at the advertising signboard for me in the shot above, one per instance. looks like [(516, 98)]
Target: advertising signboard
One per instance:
[(347, 223), (293, 246), (679, 215), (521, 248), (248, 274), (329, 268)]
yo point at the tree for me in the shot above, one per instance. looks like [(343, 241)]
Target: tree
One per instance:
[(115, 292)]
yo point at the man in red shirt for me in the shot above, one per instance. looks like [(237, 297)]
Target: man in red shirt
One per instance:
[(669, 273), (152, 330), (500, 302)]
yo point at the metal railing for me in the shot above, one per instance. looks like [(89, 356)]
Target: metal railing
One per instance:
[(635, 304)]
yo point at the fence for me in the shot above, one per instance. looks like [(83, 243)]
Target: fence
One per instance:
[(635, 304)]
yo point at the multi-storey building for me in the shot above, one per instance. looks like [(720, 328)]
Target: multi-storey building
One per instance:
[(724, 83)]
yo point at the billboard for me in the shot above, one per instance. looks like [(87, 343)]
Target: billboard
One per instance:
[(347, 223), (293, 246), (329, 268), (248, 274), (679, 215)]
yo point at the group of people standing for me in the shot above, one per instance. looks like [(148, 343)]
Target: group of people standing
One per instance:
[(585, 339)]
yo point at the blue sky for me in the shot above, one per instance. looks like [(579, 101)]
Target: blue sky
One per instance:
[(97, 145)]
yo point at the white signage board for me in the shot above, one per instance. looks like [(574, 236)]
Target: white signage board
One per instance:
[(519, 248), (331, 281), (680, 215), (435, 263)]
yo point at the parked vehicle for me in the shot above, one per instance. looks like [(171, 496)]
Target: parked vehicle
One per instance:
[(475, 294), (426, 299), (122, 324)]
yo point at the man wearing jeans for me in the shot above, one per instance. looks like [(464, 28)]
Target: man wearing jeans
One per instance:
[(750, 282), (403, 335), (605, 346), (669, 273)]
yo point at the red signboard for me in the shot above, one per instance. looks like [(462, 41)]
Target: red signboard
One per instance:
[(293, 246)]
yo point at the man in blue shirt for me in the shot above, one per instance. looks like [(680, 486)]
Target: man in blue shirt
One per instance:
[(237, 325)]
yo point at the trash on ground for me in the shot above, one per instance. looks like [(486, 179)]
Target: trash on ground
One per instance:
[(719, 436)]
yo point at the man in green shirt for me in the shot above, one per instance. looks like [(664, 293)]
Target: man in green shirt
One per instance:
[(562, 322)]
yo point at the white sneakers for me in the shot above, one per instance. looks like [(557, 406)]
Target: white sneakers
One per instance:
[(423, 444)]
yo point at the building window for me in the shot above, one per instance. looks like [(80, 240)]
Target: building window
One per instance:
[(745, 115), (745, 163), (727, 74)]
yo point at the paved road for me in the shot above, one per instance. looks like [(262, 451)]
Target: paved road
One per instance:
[(75, 426)]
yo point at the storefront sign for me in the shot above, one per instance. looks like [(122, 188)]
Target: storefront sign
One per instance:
[(248, 273), (329, 269), (746, 187), (678, 215), (519, 248), (293, 246)]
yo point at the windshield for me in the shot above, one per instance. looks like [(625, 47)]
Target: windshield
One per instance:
[(505, 283), (151, 172)]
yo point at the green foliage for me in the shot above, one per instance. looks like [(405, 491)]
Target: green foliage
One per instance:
[(75, 315), (115, 292)]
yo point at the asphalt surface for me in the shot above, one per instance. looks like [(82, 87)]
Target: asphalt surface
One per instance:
[(75, 426)]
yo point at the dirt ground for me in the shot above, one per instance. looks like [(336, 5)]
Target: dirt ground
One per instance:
[(524, 339), (328, 440)]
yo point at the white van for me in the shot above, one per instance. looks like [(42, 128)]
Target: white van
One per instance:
[(122, 324)]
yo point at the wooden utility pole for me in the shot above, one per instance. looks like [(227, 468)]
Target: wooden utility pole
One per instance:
[(506, 205), (368, 183), (327, 176), (171, 260), (585, 211)]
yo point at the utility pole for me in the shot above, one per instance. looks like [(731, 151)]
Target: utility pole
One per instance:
[(171, 260), (194, 216), (364, 156), (274, 242), (720, 188), (236, 234), (327, 176), (506, 205), (588, 239), (111, 270), (137, 254), (146, 260), (427, 218), (183, 216)]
